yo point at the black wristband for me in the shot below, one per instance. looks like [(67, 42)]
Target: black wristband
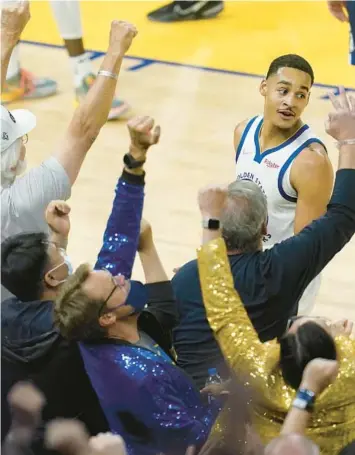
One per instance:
[(134, 179)]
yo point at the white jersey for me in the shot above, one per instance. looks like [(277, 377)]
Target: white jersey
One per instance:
[(271, 171)]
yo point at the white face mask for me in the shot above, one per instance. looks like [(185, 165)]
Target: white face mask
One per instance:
[(21, 167), (67, 262)]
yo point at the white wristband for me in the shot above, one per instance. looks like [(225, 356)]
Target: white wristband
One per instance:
[(108, 74), (345, 142)]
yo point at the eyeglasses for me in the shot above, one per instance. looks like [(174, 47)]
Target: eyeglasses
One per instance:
[(24, 139), (103, 308), (291, 321)]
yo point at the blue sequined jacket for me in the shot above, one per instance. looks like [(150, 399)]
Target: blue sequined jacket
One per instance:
[(149, 401)]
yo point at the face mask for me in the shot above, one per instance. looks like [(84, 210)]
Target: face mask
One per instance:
[(67, 262), (137, 297)]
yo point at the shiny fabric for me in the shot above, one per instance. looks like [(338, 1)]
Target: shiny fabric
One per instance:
[(121, 236), (333, 422), (149, 401)]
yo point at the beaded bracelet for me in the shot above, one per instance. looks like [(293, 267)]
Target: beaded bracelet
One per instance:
[(108, 74), (345, 142)]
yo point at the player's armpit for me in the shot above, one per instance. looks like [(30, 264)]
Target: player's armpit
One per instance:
[(312, 177), (238, 131)]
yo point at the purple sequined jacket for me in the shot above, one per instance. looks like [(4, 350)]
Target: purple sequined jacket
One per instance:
[(149, 401)]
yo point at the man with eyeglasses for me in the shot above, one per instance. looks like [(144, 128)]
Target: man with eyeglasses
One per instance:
[(24, 198), (34, 268)]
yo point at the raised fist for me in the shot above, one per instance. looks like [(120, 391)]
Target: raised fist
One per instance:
[(14, 17), (121, 36), (341, 123), (319, 374), (212, 200), (57, 217), (143, 135)]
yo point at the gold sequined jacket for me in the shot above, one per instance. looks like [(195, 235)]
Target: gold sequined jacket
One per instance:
[(333, 421)]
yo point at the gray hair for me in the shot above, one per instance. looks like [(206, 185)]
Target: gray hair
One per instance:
[(10, 159), (244, 216)]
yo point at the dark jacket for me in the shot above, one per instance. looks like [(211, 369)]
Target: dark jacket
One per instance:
[(270, 283), (32, 349)]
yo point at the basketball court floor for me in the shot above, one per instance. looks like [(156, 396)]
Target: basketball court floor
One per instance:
[(197, 80)]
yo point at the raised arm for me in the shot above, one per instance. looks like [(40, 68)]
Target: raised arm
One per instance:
[(121, 235), (226, 314), (93, 112), (162, 303), (13, 21)]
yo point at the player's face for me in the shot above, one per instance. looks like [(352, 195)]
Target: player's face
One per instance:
[(286, 96)]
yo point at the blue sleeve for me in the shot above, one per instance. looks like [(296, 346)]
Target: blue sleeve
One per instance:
[(174, 419), (296, 261), (121, 236)]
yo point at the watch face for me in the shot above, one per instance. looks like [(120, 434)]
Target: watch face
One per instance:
[(213, 224)]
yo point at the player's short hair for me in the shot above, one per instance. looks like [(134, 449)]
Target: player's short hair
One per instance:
[(290, 61)]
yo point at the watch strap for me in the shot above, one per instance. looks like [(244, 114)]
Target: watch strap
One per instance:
[(304, 400), (131, 162)]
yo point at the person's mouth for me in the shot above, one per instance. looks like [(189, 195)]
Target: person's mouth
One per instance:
[(286, 114)]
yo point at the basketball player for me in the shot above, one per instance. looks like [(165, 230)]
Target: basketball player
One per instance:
[(285, 158), (338, 9), (22, 84)]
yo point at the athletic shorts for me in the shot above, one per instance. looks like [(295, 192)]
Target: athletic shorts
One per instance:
[(350, 4)]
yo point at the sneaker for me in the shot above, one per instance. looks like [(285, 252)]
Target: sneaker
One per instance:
[(118, 108), (186, 11), (26, 86)]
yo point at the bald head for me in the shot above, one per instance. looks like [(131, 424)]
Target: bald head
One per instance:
[(291, 444)]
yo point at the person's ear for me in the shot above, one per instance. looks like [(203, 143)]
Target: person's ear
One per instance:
[(51, 281), (264, 229), (263, 88), (107, 319)]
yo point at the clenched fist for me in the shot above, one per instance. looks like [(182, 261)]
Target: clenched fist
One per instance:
[(319, 374), (341, 123), (121, 36), (57, 217), (143, 135), (212, 200), (14, 17)]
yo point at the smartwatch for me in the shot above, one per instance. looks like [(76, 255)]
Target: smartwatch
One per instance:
[(211, 223), (304, 400), (131, 163)]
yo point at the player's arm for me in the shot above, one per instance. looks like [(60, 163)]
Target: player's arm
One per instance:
[(312, 177), (238, 131), (93, 112)]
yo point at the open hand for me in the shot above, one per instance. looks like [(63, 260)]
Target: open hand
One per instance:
[(14, 17), (212, 200), (143, 135), (341, 123), (319, 374), (121, 36), (57, 217), (337, 8)]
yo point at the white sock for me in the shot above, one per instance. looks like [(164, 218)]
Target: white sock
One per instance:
[(82, 66), (14, 65), (68, 18)]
